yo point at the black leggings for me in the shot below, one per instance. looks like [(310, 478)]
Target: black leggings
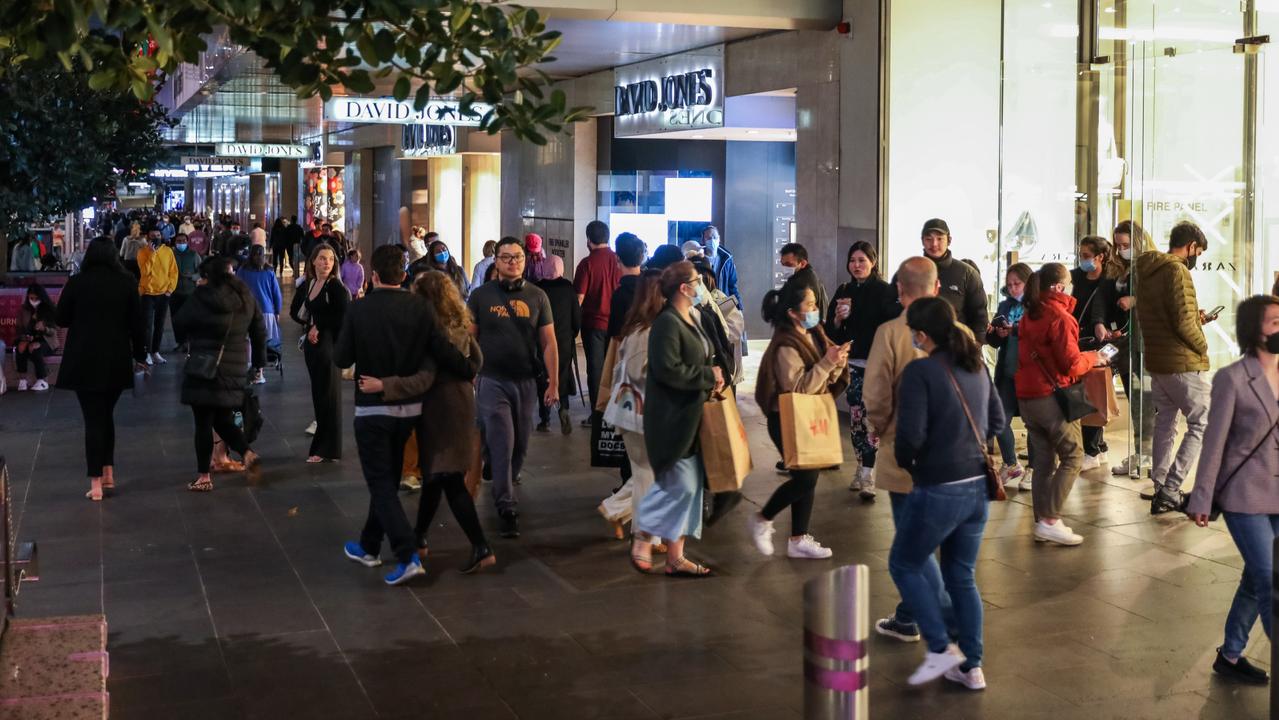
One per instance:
[(208, 419), (797, 492), (460, 502), (98, 408), (277, 260)]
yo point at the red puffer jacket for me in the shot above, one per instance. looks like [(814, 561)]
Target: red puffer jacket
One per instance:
[(1054, 337)]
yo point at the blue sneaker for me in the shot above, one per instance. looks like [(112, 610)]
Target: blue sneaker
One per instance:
[(354, 551), (405, 571)]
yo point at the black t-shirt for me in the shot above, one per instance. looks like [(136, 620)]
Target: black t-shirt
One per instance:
[(510, 345)]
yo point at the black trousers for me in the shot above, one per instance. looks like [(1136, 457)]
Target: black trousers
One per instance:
[(35, 357), (796, 493), (380, 441), (1094, 440), (277, 260), (98, 409), (207, 420), (449, 485), (155, 308), (175, 306), (595, 347), (326, 397)]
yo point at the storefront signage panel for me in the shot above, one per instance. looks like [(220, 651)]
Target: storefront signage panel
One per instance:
[(211, 163), (262, 150), (679, 92), (396, 112), (428, 140)]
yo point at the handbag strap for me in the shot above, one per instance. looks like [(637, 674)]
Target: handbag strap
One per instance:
[(1224, 483), (1088, 302), (963, 402), (1044, 369)]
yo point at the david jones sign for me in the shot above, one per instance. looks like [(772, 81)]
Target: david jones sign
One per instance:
[(680, 92), (396, 112), (263, 150)]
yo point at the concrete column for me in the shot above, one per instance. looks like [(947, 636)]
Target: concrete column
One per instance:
[(257, 201), (290, 197)]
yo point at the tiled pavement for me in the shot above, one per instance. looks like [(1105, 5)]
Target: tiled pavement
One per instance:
[(238, 603)]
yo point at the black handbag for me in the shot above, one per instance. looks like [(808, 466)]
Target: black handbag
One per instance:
[(1071, 399), (203, 364)]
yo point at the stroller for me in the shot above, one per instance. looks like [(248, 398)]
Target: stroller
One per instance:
[(274, 347)]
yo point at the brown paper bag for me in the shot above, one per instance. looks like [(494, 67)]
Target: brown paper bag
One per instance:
[(726, 453), (475, 471), (1099, 388), (810, 431)]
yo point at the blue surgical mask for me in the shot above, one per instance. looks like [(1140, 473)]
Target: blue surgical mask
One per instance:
[(1088, 265), (811, 318), (442, 257), (703, 297), (182, 247)]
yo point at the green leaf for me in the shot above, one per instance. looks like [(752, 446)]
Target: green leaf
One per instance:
[(402, 88), (358, 81), (384, 45), (458, 17)]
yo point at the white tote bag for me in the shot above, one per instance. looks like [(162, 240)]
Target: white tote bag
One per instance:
[(625, 409)]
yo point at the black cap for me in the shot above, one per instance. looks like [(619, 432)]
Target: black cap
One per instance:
[(935, 224)]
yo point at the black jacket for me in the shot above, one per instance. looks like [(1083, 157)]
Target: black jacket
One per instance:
[(1096, 301), (808, 276), (961, 287), (103, 316), (391, 332), (326, 311), (220, 318), (568, 323), (721, 348), (874, 303), (620, 305)]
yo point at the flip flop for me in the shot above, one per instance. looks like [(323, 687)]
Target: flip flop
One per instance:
[(696, 570)]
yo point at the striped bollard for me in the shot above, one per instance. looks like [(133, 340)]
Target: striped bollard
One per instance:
[(836, 648)]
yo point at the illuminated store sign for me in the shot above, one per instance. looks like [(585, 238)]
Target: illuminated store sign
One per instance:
[(680, 92), (264, 150), (428, 140), (213, 164), (396, 112)]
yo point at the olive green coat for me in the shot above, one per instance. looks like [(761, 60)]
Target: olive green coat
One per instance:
[(680, 380), (1168, 314)]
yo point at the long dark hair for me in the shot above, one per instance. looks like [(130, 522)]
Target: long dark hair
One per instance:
[(1248, 319), (451, 266), (219, 272), (871, 254), (935, 318), (257, 258), (648, 303), (101, 253), (1042, 279), (47, 310), (778, 304)]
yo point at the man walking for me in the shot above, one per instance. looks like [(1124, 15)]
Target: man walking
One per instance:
[(630, 254), (159, 278), (794, 255), (595, 279), (1176, 354), (513, 323), (960, 282), (389, 332)]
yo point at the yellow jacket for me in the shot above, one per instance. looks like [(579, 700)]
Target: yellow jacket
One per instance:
[(159, 270)]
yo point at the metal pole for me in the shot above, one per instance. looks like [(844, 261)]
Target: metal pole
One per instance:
[(836, 654), (577, 375), (1274, 651)]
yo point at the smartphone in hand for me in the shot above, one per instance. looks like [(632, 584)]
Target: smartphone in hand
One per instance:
[(1107, 352)]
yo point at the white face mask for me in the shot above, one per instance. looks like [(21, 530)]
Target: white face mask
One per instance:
[(1125, 253), (34, 303)]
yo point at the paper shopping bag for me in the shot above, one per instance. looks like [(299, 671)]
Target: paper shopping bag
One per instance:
[(726, 454), (475, 468), (1099, 388), (810, 431)]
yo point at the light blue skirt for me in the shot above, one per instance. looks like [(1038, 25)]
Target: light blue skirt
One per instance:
[(672, 508)]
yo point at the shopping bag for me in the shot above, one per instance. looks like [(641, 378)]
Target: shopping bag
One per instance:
[(475, 469), (607, 448), (810, 431), (1099, 388), (726, 454)]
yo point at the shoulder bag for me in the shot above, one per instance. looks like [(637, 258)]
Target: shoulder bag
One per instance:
[(203, 364), (534, 351), (994, 488), (1072, 399)]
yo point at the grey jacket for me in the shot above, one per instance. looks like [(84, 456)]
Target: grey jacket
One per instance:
[(1243, 410)]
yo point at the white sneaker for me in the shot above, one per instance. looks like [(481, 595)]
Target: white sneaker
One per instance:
[(22, 385), (1103, 458), (761, 533), (974, 679), (159, 359), (1025, 480), (4, 385), (310, 429), (1056, 533), (1009, 474), (1132, 466), (806, 547), (410, 483), (40, 386), (935, 665), (259, 378), (149, 360), (1091, 462)]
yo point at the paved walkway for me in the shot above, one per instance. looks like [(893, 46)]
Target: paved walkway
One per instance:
[(238, 603)]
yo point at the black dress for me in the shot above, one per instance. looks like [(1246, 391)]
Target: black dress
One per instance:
[(325, 313)]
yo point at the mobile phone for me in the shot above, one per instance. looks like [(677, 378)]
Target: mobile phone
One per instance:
[(1107, 351), (1216, 311), (1000, 321)]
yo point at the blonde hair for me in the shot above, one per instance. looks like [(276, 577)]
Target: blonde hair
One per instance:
[(451, 313)]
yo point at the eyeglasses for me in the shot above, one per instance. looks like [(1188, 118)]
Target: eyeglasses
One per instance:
[(510, 259)]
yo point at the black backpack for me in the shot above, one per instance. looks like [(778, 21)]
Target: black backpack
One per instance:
[(249, 416)]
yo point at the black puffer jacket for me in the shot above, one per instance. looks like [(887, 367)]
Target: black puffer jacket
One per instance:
[(205, 320)]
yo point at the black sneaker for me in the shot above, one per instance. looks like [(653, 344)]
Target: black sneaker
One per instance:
[(586, 423), (1239, 671), (543, 427), (781, 468), (481, 557), (1166, 502), (566, 423), (509, 525)]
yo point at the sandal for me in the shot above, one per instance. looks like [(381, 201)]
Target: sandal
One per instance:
[(639, 561), (95, 490), (200, 485), (227, 466), (685, 568)]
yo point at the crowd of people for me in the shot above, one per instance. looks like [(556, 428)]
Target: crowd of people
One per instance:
[(494, 353)]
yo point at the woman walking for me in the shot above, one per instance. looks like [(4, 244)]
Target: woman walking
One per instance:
[(680, 380), (319, 307), (37, 334), (1131, 240), (444, 449), (265, 288), (1003, 335), (857, 309), (1237, 468), (568, 323), (800, 359), (106, 346), (221, 313), (1048, 355), (439, 258), (948, 413)]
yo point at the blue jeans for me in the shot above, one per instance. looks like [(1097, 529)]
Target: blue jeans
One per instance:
[(932, 571), (1007, 441), (950, 517), (1254, 535)]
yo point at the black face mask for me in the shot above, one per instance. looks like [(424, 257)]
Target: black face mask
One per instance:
[(515, 285), (1192, 261), (1272, 344)]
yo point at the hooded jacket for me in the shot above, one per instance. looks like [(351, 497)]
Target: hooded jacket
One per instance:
[(159, 270), (1054, 337), (1169, 315)]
